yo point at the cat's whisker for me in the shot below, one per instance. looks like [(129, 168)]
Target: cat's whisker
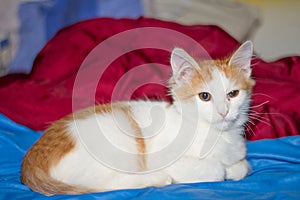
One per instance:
[(271, 113), (258, 118), (252, 117), (254, 114), (262, 94), (257, 114), (264, 113), (249, 129), (251, 122), (261, 120), (259, 105)]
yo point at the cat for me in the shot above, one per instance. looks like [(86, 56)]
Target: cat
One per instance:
[(206, 120)]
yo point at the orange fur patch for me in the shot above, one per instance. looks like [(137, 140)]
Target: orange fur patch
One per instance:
[(200, 76), (108, 108), (204, 74), (44, 154), (141, 146), (234, 73), (56, 142)]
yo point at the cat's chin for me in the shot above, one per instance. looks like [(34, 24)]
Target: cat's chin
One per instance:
[(224, 125)]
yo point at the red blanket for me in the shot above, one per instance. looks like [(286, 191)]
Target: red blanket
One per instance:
[(64, 80)]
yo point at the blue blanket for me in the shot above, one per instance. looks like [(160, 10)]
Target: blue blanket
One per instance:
[(275, 175)]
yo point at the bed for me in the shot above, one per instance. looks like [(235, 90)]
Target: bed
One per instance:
[(29, 103)]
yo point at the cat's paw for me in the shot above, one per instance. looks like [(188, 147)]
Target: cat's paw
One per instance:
[(210, 171), (191, 170), (238, 170), (158, 179), (163, 179)]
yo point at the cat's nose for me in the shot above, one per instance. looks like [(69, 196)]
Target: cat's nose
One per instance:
[(223, 113), (222, 110)]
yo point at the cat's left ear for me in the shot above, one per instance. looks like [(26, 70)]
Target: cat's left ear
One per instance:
[(242, 57), (183, 65)]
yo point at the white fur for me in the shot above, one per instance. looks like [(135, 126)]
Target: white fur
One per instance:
[(214, 150), (82, 169)]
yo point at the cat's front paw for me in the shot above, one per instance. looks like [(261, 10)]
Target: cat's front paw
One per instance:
[(211, 171), (158, 179), (238, 170), (191, 170), (164, 179)]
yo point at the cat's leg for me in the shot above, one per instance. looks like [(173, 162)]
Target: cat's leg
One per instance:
[(127, 181), (190, 169), (238, 170)]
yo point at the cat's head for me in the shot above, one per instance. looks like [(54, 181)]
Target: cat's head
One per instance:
[(221, 89)]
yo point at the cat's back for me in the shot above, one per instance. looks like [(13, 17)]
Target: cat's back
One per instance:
[(64, 153)]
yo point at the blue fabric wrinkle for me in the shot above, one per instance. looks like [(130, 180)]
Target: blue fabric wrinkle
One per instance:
[(275, 164)]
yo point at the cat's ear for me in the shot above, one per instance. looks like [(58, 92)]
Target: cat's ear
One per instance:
[(242, 57), (183, 65)]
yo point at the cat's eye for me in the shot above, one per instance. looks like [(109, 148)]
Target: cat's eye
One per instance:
[(205, 96), (233, 93)]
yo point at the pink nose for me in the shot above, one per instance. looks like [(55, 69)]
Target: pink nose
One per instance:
[(223, 114)]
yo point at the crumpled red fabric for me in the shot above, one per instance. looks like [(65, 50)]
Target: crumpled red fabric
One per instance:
[(64, 80)]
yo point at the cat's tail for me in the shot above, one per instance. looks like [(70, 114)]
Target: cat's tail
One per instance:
[(53, 145), (39, 181)]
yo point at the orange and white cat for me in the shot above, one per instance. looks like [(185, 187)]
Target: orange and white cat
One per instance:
[(210, 108)]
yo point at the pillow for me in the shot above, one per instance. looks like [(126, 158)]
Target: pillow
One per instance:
[(8, 33), (238, 19), (41, 19)]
